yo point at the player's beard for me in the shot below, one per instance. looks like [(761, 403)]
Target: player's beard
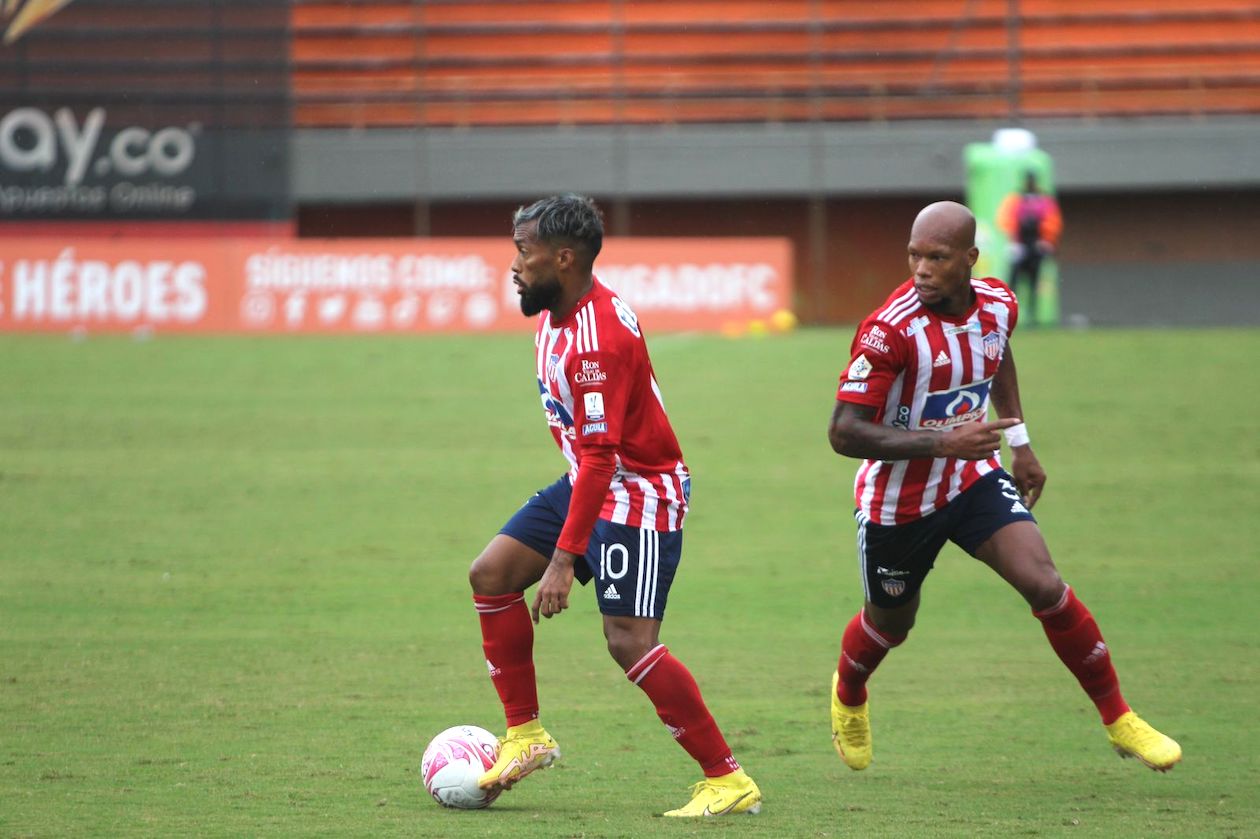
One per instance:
[(541, 295)]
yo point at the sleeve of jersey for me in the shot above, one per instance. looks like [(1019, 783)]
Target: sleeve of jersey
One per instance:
[(600, 385), (875, 361)]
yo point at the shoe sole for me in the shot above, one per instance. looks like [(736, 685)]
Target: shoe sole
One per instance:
[(1126, 754), (537, 763), (751, 811)]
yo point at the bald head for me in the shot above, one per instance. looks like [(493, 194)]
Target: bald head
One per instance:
[(947, 222)]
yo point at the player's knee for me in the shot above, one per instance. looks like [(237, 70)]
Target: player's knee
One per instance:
[(627, 647), (1043, 590), (485, 578)]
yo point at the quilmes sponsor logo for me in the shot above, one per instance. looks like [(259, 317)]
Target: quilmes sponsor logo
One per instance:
[(945, 409), (25, 16), (86, 166)]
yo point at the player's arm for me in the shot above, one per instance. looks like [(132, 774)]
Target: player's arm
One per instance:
[(600, 386), (855, 433), (1030, 478), (589, 490)]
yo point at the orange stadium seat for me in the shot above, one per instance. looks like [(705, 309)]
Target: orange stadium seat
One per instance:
[(532, 63)]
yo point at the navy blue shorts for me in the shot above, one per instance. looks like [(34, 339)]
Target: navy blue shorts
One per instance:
[(895, 559), (632, 567)]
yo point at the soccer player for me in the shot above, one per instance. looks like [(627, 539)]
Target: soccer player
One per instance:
[(616, 517), (912, 403)]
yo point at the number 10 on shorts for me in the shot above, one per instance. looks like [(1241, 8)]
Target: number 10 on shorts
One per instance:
[(614, 561)]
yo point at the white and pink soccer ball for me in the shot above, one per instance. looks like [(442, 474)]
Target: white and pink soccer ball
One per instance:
[(452, 763)]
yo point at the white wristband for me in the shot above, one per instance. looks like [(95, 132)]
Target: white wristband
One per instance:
[(1016, 435)]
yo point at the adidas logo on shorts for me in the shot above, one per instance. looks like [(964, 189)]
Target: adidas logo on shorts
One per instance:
[(610, 593)]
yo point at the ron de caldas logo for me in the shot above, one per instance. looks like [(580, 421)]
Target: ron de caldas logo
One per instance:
[(66, 165), (945, 409)]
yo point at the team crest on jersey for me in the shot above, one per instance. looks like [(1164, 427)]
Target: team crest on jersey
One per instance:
[(945, 409), (860, 368), (895, 588), (992, 345), (553, 366)]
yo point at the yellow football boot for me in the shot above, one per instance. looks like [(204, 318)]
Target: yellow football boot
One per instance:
[(724, 796), (525, 748), (1131, 736), (850, 729)]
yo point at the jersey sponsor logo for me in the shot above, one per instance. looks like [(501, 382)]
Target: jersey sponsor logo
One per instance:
[(594, 428), (942, 359), (590, 374), (594, 403), (875, 339), (627, 316), (996, 308), (916, 325), (610, 593), (890, 572), (992, 345), (860, 368), (903, 417), (945, 409), (854, 387), (974, 326), (556, 413)]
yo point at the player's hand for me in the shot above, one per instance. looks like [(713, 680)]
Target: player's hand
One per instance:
[(974, 440), (552, 596), (1029, 477)]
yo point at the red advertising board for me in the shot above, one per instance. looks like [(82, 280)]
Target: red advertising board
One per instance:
[(364, 286)]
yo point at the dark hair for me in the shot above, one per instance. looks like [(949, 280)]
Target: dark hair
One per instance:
[(569, 218)]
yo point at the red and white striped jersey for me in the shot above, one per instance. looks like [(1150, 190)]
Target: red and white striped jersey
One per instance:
[(598, 389), (925, 371)]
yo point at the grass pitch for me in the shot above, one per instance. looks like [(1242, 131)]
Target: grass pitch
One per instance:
[(233, 598)]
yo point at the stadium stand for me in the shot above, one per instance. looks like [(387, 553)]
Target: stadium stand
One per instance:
[(379, 64)]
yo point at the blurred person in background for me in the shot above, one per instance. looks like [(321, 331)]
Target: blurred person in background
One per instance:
[(616, 516), (1032, 223), (912, 403)]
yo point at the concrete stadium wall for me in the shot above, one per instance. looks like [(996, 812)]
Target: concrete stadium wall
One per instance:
[(1158, 214)]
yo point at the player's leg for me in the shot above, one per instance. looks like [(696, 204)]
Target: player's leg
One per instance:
[(894, 561), (1017, 551), (513, 561), (633, 569)]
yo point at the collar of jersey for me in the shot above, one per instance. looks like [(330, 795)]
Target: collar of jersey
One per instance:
[(569, 320)]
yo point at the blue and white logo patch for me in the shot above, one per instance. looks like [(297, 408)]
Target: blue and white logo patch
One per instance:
[(945, 409)]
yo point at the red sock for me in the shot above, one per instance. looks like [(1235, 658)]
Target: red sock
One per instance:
[(1075, 637), (678, 703), (861, 650), (507, 637)]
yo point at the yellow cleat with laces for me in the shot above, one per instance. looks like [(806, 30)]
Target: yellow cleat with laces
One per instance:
[(850, 729), (1131, 736), (525, 748), (724, 796)]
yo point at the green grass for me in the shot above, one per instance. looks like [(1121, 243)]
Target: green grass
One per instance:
[(233, 596)]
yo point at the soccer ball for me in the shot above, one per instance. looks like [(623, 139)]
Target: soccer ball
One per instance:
[(452, 763)]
